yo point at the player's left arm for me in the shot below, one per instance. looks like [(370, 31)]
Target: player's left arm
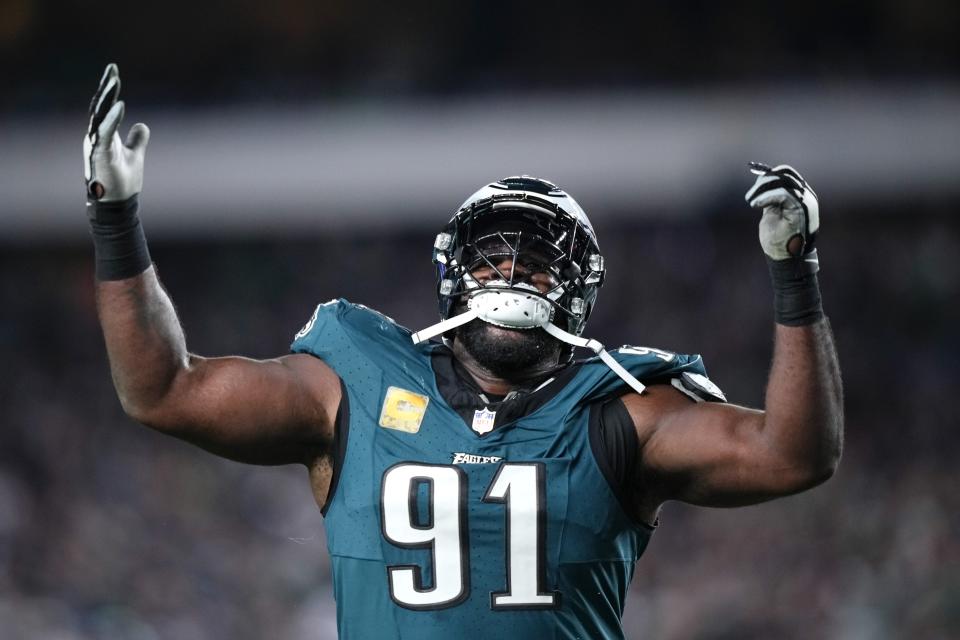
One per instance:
[(724, 455), (716, 454)]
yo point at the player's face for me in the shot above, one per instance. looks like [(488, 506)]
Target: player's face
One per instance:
[(511, 354), (527, 271)]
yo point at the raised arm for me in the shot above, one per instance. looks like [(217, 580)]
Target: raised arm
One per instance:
[(260, 411), (724, 455)]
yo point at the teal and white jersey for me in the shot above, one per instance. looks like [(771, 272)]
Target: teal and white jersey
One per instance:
[(436, 531)]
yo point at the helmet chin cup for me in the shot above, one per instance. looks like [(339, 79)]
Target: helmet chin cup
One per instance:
[(517, 307)]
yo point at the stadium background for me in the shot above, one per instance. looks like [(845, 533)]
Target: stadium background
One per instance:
[(303, 151)]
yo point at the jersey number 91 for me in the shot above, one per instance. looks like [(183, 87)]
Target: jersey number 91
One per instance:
[(519, 487)]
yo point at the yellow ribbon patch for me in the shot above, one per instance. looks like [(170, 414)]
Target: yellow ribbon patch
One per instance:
[(403, 410)]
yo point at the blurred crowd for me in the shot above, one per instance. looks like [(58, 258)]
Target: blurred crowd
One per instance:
[(291, 50), (108, 530)]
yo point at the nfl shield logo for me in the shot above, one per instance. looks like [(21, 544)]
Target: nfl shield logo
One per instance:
[(483, 420)]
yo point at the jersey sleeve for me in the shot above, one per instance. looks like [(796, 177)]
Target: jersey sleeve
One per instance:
[(363, 347), (323, 334), (684, 372), (651, 366)]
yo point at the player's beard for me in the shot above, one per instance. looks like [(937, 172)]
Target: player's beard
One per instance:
[(510, 354)]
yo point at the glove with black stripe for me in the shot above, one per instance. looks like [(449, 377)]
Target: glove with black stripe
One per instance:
[(113, 172), (791, 213), (788, 234)]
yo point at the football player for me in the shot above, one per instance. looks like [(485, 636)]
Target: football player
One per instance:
[(487, 484)]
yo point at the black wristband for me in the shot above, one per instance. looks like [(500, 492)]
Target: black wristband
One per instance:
[(796, 292), (118, 240)]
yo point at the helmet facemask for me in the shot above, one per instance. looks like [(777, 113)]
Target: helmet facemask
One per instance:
[(547, 251)]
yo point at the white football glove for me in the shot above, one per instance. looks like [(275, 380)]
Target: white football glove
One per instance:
[(113, 170), (791, 214)]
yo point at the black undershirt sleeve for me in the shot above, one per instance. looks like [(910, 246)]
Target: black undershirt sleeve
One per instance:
[(341, 429), (615, 446)]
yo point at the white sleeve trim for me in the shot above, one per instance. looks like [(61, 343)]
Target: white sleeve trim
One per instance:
[(698, 387), (677, 384)]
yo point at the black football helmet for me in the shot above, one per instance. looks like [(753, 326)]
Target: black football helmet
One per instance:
[(535, 224)]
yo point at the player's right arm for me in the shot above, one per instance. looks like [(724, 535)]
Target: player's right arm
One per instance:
[(273, 411), (260, 411)]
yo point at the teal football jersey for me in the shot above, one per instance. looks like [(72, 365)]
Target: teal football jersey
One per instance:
[(436, 531)]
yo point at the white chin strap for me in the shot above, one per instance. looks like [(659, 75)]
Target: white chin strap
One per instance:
[(598, 349), (512, 308), (442, 327)]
